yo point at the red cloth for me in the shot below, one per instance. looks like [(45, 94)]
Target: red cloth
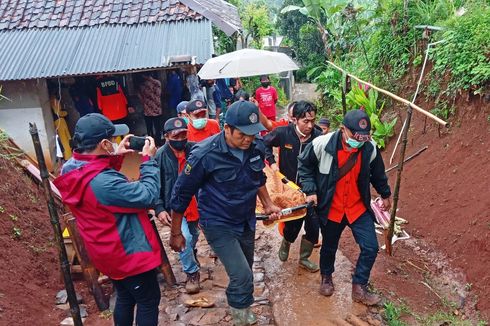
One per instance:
[(347, 199), (113, 106), (197, 135), (280, 123), (267, 99), (97, 222), (191, 214)]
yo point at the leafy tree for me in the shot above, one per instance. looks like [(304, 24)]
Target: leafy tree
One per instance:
[(257, 23)]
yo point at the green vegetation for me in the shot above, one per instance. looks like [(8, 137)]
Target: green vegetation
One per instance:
[(392, 314)]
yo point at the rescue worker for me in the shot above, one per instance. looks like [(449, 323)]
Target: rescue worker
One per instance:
[(335, 171), (111, 215), (226, 171), (171, 159), (200, 126), (291, 141)]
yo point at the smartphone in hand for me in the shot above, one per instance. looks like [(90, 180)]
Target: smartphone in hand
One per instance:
[(137, 143)]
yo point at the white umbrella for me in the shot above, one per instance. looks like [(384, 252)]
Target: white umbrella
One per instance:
[(245, 63)]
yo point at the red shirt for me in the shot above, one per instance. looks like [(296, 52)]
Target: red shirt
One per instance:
[(191, 214), (347, 199), (197, 135), (280, 123), (267, 98)]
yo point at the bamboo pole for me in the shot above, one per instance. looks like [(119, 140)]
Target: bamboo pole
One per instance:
[(396, 97), (55, 222), (396, 193)]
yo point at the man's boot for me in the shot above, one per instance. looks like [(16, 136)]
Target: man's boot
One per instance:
[(361, 294), (284, 250), (326, 287), (305, 251), (192, 285), (242, 317)]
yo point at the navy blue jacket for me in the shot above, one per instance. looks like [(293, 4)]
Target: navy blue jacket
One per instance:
[(226, 187)]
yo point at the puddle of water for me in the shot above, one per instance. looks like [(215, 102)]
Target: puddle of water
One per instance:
[(294, 291)]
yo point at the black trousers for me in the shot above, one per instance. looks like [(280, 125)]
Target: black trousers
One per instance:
[(154, 127), (142, 291), (312, 228)]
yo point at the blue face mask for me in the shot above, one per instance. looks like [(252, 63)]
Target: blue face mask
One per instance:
[(354, 143), (199, 123), (186, 119)]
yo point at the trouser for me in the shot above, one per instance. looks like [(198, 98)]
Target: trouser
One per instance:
[(141, 290), (365, 236), (190, 231), (154, 127), (236, 253), (312, 228)]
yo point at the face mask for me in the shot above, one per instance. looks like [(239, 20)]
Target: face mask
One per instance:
[(186, 119), (178, 145), (354, 143), (265, 84), (299, 132), (199, 123), (114, 147)]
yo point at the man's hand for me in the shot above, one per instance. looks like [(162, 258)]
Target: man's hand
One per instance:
[(123, 147), (274, 167), (165, 218), (312, 198), (273, 211), (177, 242), (386, 206), (149, 149)]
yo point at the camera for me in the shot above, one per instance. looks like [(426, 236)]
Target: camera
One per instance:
[(137, 143)]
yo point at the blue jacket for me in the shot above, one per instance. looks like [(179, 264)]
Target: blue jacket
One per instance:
[(226, 187)]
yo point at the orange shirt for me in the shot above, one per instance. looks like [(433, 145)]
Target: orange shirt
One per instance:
[(280, 123), (191, 214), (347, 199), (197, 135)]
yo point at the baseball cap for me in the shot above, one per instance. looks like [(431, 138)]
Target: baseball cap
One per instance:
[(324, 122), (357, 121), (94, 127), (196, 105), (175, 125), (244, 116), (182, 106)]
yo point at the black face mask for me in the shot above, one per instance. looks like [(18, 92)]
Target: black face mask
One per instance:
[(265, 84), (178, 145)]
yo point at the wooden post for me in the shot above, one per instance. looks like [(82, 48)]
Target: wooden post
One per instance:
[(90, 273), (55, 222), (396, 193), (344, 93)]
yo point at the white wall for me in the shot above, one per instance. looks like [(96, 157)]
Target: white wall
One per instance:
[(29, 103)]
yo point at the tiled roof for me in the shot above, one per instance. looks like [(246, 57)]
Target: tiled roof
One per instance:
[(26, 14)]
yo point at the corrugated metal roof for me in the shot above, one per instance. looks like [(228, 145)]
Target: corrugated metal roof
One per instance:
[(55, 52)]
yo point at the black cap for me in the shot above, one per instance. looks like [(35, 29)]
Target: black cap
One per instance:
[(324, 122), (175, 125), (357, 121), (196, 105), (244, 116), (94, 127)]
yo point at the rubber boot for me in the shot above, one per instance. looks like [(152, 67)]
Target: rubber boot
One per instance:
[(284, 250), (251, 317), (326, 286), (192, 285), (305, 251), (241, 316), (361, 294)]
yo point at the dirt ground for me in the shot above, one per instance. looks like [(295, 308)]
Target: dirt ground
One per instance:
[(440, 272)]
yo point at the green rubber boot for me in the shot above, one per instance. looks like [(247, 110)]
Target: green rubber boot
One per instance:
[(305, 251), (284, 250), (243, 317)]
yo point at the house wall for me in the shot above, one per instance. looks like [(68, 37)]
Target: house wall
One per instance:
[(29, 102)]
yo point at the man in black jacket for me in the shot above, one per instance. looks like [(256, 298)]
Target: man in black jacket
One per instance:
[(292, 140), (171, 159), (335, 172)]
